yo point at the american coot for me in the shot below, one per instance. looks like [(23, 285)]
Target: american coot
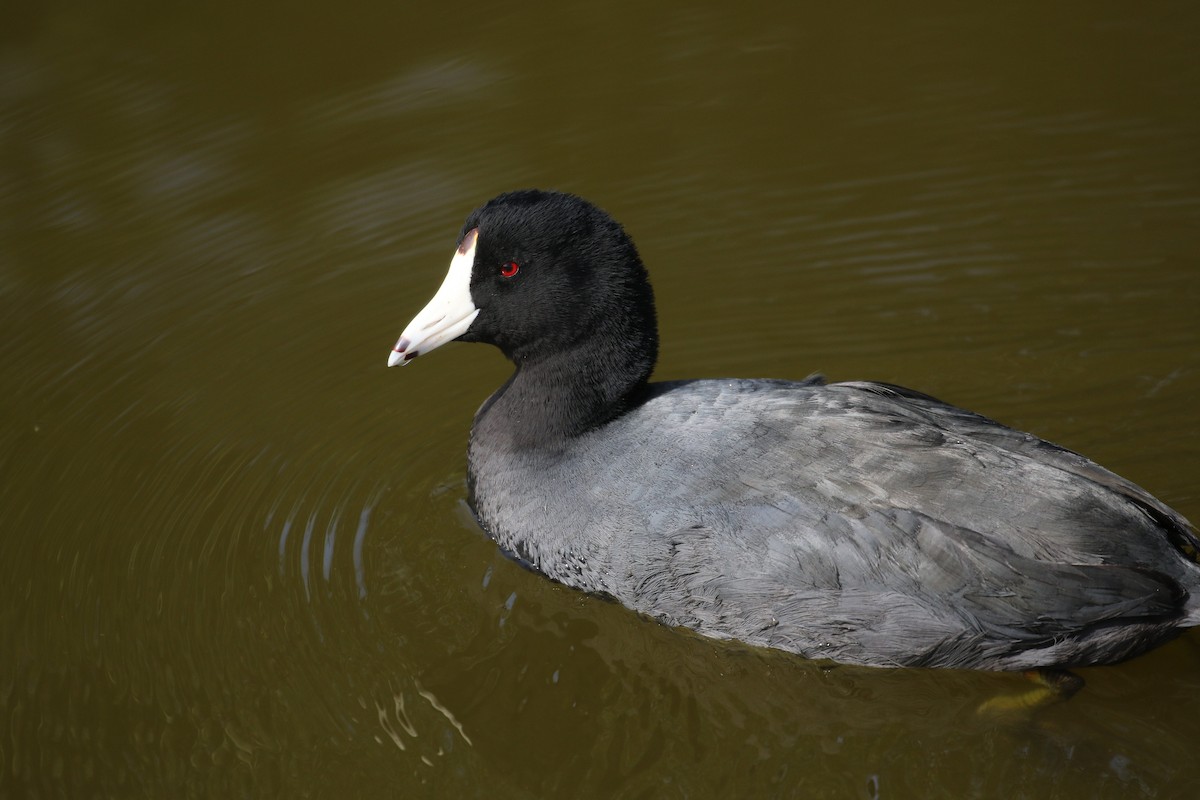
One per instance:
[(859, 522)]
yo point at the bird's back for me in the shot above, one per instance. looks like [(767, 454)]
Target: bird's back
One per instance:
[(860, 522)]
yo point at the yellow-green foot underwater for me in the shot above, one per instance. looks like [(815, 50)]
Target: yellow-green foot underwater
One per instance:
[(1050, 686)]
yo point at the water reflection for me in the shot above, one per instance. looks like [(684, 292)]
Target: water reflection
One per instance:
[(697, 709)]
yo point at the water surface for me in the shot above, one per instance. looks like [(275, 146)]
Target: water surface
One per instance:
[(235, 557)]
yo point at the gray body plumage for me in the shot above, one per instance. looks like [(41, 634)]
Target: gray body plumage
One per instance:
[(857, 522)]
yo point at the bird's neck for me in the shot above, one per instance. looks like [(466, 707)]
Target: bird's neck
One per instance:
[(551, 400)]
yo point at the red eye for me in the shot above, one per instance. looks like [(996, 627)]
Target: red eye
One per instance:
[(509, 269)]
